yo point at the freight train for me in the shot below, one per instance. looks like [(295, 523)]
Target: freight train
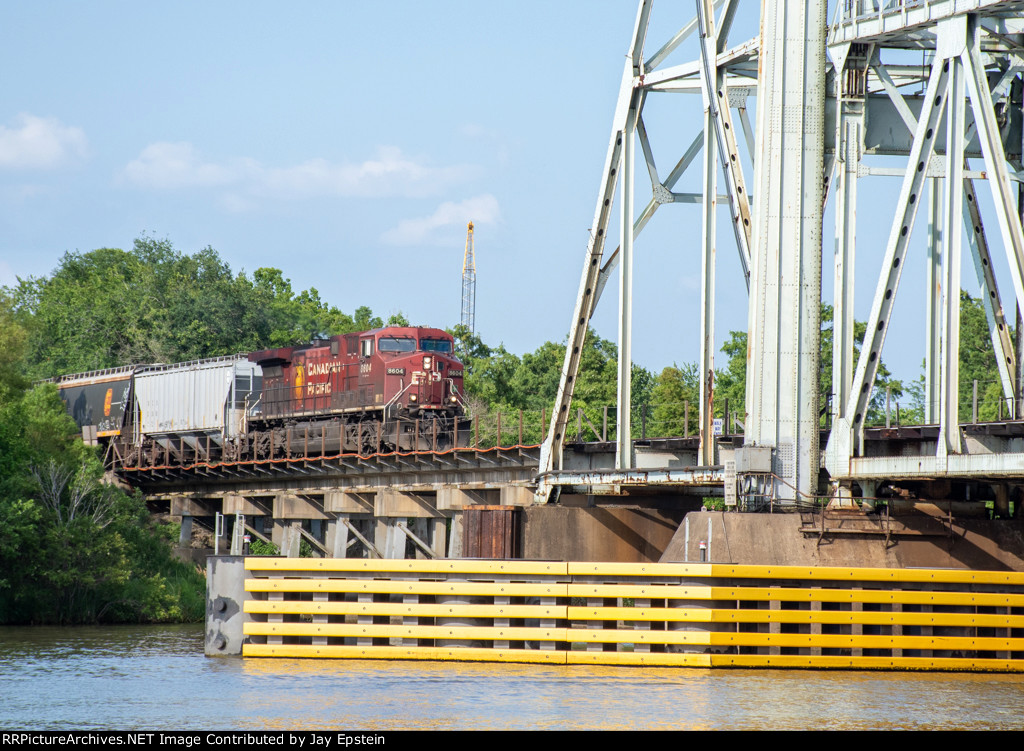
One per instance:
[(394, 388)]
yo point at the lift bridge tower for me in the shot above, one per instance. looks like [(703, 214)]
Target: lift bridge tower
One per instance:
[(937, 82), (469, 282)]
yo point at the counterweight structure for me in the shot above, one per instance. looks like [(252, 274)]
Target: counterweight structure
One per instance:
[(469, 282)]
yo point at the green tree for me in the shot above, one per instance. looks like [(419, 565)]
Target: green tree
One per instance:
[(366, 320), (112, 307), (469, 346), (978, 363), (75, 550), (883, 378), (675, 397), (499, 381), (731, 382), (294, 319)]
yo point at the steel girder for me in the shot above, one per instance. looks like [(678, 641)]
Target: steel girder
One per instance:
[(784, 313)]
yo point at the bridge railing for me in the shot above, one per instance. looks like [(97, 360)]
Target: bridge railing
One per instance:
[(697, 615)]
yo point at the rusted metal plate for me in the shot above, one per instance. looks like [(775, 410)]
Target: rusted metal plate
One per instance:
[(491, 532)]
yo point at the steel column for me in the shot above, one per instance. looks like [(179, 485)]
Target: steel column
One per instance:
[(623, 436), (849, 139), (784, 328), (707, 297), (999, 330), (950, 438), (933, 309), (995, 161)]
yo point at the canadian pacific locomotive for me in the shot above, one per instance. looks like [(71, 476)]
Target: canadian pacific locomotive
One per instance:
[(394, 388)]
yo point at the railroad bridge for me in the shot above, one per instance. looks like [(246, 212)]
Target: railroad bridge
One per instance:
[(928, 94), (391, 504)]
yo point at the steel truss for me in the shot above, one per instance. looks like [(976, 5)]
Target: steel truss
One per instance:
[(976, 57), (823, 116), (724, 76)]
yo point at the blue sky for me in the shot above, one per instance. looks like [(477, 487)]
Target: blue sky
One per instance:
[(349, 143)]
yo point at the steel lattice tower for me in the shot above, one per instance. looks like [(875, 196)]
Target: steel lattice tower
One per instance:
[(469, 282)]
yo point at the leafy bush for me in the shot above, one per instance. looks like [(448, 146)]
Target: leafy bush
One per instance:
[(76, 550)]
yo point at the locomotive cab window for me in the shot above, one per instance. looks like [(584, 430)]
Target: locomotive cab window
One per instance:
[(396, 344), (435, 345), (367, 347)]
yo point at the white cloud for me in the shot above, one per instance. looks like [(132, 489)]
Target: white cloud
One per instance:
[(167, 166), (177, 165), (430, 229), (390, 174), (40, 143)]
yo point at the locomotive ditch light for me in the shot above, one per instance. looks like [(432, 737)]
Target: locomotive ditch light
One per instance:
[(412, 397)]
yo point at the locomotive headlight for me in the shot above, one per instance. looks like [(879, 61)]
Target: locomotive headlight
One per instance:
[(427, 362)]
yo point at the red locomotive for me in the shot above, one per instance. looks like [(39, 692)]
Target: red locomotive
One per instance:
[(399, 387)]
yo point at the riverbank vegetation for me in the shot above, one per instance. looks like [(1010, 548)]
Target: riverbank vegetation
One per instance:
[(75, 549)]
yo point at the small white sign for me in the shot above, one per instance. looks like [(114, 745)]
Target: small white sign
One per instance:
[(718, 426)]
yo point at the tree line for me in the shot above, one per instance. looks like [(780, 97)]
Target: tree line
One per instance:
[(153, 303)]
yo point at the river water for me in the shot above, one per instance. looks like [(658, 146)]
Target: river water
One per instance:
[(156, 678)]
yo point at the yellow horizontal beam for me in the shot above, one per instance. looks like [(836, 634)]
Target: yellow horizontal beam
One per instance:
[(674, 659), (646, 591), (642, 591), (873, 596), (631, 636), (689, 615), (836, 573), (628, 636), (645, 570), (822, 662), (398, 586), (810, 641), (376, 630), (466, 654), (397, 608), (794, 594), (847, 641), (273, 565), (671, 659), (895, 575), (836, 617)]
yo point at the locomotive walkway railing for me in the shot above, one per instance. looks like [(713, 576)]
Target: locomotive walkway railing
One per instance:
[(693, 615)]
